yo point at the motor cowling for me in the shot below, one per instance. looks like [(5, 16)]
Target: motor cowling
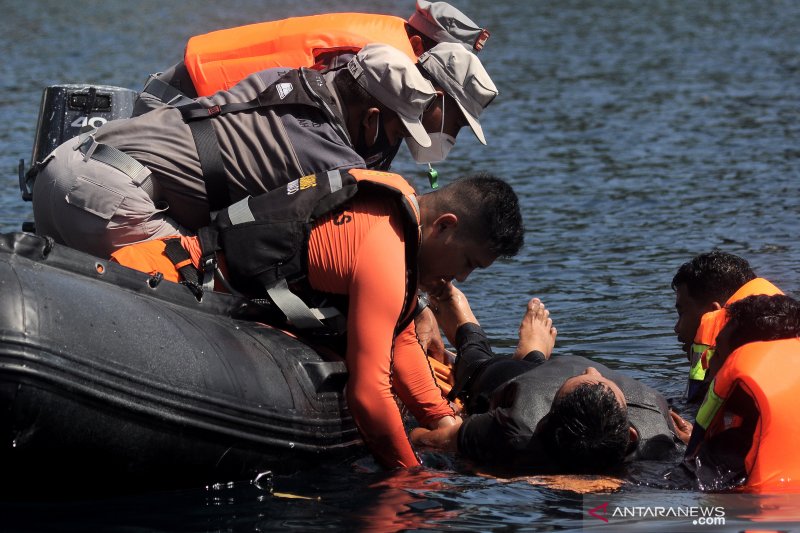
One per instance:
[(63, 111)]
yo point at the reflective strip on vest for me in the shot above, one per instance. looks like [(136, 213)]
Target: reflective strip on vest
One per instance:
[(701, 355), (334, 180), (240, 212), (709, 409)]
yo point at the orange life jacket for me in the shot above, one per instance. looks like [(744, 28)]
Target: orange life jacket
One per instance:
[(711, 323), (769, 373), (220, 59)]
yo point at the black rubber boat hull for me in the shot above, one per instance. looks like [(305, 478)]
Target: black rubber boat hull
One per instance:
[(105, 379)]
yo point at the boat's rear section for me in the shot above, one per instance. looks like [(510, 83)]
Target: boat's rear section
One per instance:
[(110, 376), (67, 110)]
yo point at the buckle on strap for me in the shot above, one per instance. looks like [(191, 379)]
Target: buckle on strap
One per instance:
[(296, 311), (86, 145), (91, 149), (165, 92)]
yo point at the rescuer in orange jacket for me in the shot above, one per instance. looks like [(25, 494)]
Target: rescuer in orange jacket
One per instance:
[(218, 60), (367, 251), (702, 287), (746, 429)]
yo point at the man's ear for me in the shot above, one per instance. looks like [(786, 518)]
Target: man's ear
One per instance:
[(633, 435), (445, 222), (416, 45), (370, 123)]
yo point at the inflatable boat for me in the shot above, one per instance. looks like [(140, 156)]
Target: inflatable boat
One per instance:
[(109, 376)]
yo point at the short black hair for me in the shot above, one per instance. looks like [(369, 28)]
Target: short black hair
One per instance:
[(763, 318), (713, 276), (489, 209), (587, 430)]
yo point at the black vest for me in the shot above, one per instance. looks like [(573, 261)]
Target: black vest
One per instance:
[(265, 238)]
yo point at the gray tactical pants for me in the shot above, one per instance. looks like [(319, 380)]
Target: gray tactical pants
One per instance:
[(95, 207)]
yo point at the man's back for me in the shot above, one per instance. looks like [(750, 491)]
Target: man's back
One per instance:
[(260, 149)]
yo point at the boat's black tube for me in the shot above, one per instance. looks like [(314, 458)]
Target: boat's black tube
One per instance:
[(104, 377)]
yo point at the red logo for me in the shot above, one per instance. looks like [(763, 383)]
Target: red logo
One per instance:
[(481, 40), (600, 512)]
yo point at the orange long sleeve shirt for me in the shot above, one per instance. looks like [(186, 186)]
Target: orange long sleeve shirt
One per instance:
[(360, 251)]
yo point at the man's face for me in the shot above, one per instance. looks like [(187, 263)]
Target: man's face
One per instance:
[(689, 313), (445, 255), (590, 375), (453, 117)]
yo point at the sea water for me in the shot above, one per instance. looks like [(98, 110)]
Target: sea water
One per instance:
[(637, 135)]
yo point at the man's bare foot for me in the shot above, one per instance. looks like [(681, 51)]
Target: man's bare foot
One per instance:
[(536, 331)]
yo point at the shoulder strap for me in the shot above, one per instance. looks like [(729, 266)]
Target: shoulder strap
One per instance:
[(296, 87), (165, 92)]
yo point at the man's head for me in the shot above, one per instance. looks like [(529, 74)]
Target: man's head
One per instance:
[(467, 224), (753, 319), (587, 428), (439, 22), (383, 96), (464, 89), (704, 284)]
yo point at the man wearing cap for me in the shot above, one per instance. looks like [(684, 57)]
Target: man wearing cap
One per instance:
[(220, 59), (463, 90), (164, 172)]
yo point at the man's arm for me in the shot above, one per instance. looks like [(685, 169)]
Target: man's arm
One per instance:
[(413, 381), (377, 292)]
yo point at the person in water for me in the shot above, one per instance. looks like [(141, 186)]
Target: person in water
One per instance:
[(703, 286), (543, 414), (746, 428)]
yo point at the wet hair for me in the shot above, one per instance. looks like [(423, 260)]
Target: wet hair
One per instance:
[(763, 318), (713, 276), (487, 207), (587, 430)]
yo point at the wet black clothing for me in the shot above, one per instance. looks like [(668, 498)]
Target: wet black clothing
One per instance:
[(507, 398)]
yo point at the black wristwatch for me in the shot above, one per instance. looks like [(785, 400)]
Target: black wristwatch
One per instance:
[(422, 303)]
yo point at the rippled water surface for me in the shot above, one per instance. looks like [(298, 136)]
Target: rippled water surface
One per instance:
[(637, 135)]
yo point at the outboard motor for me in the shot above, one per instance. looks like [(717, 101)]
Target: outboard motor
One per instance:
[(64, 110)]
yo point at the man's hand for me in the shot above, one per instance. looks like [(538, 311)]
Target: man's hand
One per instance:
[(683, 429), (443, 438), (430, 338)]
